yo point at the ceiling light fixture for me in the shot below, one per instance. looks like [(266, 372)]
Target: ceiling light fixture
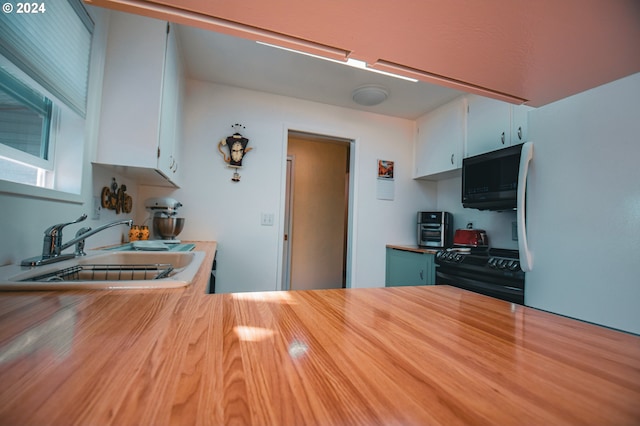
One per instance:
[(369, 95), (355, 63)]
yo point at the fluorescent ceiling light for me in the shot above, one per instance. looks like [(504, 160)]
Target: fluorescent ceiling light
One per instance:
[(355, 63)]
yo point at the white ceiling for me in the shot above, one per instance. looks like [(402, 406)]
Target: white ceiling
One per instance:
[(536, 52), (238, 62)]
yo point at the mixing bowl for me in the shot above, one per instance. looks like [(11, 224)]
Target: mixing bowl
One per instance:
[(167, 227)]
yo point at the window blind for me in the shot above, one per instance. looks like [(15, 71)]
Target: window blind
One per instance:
[(52, 47)]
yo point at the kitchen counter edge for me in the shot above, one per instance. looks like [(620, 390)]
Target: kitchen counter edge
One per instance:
[(413, 248)]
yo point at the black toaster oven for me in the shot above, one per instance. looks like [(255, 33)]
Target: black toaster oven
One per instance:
[(435, 229)]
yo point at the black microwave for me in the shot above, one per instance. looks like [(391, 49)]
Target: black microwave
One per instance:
[(490, 181)]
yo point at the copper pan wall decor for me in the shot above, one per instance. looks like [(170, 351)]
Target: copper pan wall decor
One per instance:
[(116, 198)]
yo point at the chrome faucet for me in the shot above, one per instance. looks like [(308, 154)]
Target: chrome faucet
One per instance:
[(52, 247), (80, 244), (85, 233)]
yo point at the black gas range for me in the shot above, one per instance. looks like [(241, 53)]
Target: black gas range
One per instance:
[(493, 272)]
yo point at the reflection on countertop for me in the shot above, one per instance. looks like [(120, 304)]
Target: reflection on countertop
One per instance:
[(55, 333)]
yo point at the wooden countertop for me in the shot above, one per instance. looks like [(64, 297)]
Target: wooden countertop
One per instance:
[(415, 248), (399, 355)]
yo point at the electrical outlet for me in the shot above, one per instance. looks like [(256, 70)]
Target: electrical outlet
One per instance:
[(97, 207), (514, 231)]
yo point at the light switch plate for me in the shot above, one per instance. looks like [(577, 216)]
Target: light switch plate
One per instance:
[(97, 207), (266, 219)]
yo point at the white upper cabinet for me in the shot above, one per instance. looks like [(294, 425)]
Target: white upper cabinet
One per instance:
[(519, 123), (440, 140), (488, 125), (467, 126), (171, 111), (493, 124), (141, 100)]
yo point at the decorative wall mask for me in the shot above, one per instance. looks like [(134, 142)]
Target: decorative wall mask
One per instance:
[(236, 144)]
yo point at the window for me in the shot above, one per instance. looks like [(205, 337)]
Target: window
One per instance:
[(25, 126), (44, 71)]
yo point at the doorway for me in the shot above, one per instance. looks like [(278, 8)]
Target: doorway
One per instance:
[(317, 200)]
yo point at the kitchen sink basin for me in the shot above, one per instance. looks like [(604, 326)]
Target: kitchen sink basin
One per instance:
[(107, 270)]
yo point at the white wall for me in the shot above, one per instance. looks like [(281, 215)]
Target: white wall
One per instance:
[(497, 224), (218, 209)]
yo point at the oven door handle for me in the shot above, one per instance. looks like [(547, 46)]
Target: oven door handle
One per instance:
[(526, 257)]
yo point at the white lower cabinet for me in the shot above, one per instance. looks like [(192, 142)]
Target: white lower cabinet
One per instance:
[(440, 140)]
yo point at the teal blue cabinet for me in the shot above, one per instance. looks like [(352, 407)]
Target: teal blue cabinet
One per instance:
[(406, 267)]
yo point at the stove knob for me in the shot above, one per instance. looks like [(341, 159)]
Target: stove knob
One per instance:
[(492, 263), (514, 265), (458, 257), (501, 263)]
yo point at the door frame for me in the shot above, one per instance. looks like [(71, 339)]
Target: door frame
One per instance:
[(288, 222), (351, 205)]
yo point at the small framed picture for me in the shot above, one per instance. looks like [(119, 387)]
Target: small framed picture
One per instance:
[(385, 169)]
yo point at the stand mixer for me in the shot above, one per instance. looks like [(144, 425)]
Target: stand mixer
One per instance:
[(165, 225)]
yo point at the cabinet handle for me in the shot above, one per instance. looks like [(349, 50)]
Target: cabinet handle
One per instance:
[(520, 133), (452, 158), (421, 274), (173, 164), (502, 138)]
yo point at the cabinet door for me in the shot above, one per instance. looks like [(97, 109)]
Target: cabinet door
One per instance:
[(488, 125), (141, 100), (131, 95), (167, 145), (409, 268), (440, 139), (430, 268), (519, 124)]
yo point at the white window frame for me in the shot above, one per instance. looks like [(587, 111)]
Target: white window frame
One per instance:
[(16, 155), (45, 167), (64, 122)]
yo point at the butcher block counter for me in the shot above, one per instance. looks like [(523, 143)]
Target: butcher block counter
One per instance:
[(399, 355)]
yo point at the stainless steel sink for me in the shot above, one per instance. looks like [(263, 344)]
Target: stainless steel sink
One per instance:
[(107, 270)]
